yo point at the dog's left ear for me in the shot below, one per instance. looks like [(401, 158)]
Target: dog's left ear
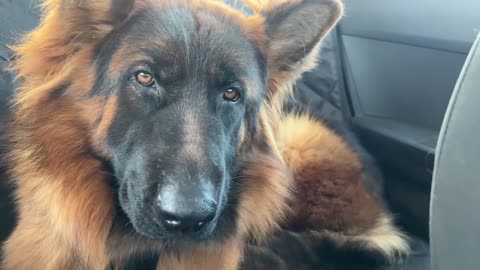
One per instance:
[(294, 30)]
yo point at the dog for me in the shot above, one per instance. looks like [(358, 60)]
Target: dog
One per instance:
[(156, 128)]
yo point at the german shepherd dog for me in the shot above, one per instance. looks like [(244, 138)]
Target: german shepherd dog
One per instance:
[(157, 129)]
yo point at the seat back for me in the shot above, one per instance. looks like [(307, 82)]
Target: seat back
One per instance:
[(454, 221)]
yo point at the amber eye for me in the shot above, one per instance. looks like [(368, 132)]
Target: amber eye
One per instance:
[(144, 78), (231, 94)]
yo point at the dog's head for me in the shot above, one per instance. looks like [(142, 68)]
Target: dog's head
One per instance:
[(176, 88)]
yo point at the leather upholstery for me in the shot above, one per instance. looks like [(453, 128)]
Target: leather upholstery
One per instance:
[(455, 223)]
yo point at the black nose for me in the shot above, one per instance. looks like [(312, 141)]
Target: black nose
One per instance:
[(187, 216)]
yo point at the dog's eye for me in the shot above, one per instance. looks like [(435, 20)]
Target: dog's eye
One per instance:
[(231, 94), (144, 78)]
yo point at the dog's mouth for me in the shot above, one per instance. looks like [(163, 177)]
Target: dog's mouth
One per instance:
[(153, 230)]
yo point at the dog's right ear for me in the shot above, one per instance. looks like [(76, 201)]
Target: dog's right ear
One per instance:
[(67, 27), (91, 20)]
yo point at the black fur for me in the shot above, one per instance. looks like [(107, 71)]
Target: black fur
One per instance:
[(193, 64), (310, 251)]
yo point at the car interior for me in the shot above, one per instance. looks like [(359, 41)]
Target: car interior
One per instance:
[(405, 75)]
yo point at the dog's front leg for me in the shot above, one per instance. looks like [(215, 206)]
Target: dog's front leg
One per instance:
[(34, 247)]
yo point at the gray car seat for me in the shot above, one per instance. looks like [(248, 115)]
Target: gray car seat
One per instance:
[(454, 221)]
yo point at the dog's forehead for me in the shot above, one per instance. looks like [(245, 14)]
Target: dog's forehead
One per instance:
[(180, 35), (184, 28)]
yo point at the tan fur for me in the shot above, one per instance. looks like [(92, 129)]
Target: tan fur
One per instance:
[(101, 130), (328, 178), (64, 199), (192, 130), (384, 236), (329, 188), (63, 193), (267, 181)]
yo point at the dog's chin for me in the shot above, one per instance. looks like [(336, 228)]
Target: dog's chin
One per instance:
[(148, 228)]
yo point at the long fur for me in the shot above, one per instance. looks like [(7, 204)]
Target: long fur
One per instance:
[(337, 218), (333, 192), (63, 191)]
